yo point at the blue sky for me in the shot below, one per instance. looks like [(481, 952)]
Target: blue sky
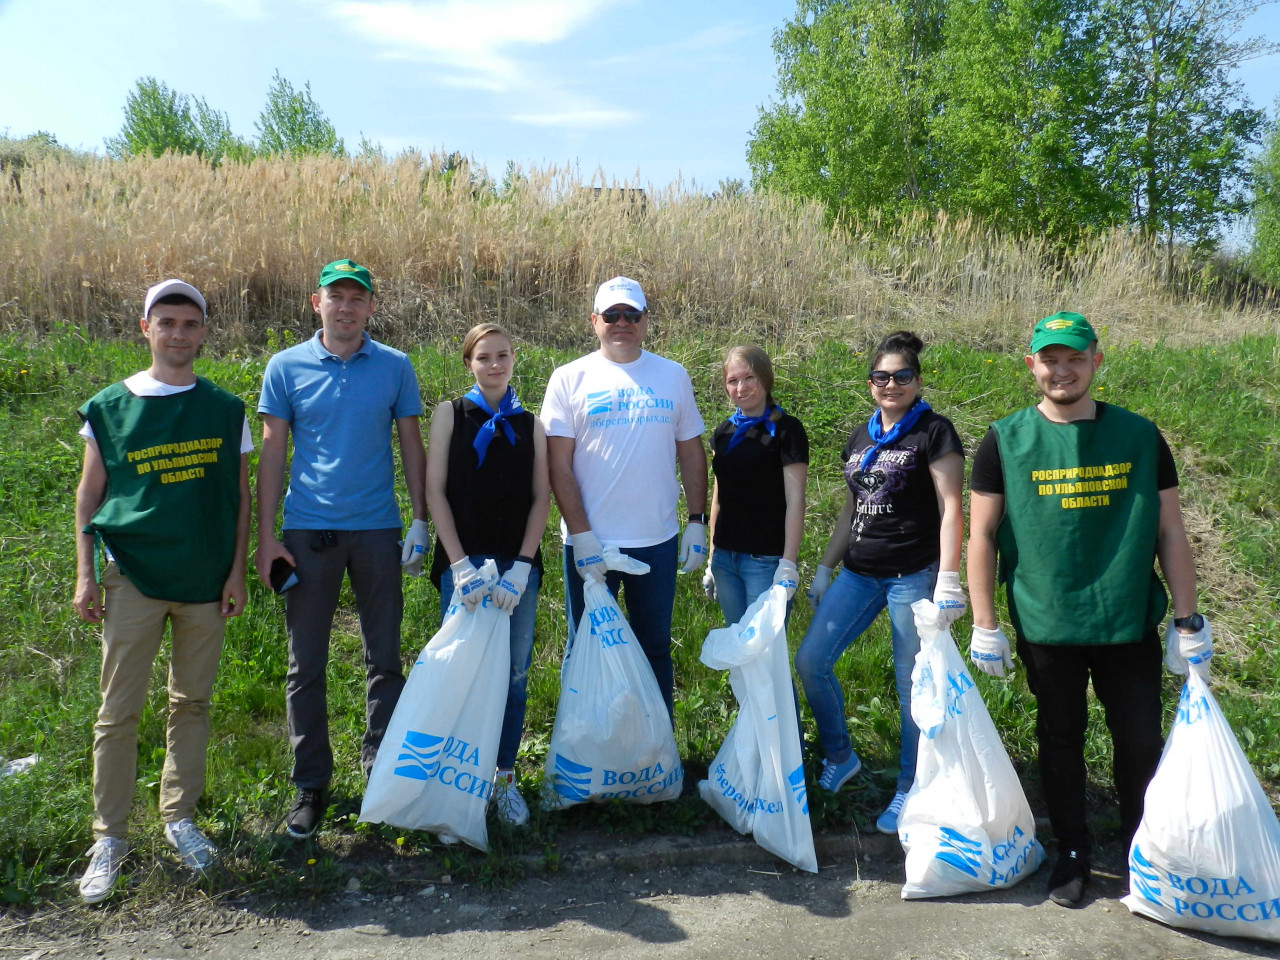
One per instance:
[(647, 90)]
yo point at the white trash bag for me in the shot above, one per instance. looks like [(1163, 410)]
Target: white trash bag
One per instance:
[(612, 737), (756, 781), (966, 825), (434, 770), (1207, 852)]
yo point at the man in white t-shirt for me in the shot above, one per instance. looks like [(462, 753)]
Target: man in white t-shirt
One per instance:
[(165, 495), (618, 421)]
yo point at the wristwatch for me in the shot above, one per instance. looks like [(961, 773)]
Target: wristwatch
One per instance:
[(1194, 623), (698, 518)]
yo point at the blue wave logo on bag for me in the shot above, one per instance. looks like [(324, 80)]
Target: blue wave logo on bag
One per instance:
[(959, 851), (572, 780), (796, 779), (419, 756), (1144, 879), (599, 402)]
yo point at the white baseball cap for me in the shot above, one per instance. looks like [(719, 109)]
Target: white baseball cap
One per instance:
[(167, 288), (618, 290)]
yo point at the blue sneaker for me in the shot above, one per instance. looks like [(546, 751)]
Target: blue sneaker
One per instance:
[(836, 775), (888, 821)]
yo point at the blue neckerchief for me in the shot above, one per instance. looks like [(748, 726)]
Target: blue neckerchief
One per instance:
[(882, 438), (745, 423), (509, 406)]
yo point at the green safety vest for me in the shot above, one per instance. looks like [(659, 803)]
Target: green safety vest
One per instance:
[(173, 487), (1078, 537)]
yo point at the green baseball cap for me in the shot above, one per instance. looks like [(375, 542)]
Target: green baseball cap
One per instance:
[(1063, 328), (346, 270)]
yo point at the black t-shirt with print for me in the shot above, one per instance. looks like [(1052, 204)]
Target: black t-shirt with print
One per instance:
[(753, 501), (896, 519)]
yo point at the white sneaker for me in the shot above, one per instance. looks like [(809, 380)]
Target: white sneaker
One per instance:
[(511, 805), (105, 859), (194, 849), (888, 821)]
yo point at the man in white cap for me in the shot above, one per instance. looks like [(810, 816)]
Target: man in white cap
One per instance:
[(618, 421), (165, 494)]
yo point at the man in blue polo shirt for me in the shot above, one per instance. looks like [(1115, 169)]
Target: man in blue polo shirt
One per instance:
[(339, 394)]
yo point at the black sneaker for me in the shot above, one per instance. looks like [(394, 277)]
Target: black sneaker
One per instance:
[(306, 814), (1070, 877)]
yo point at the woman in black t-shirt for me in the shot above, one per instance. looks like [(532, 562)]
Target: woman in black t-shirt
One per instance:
[(489, 494), (901, 525), (760, 459)]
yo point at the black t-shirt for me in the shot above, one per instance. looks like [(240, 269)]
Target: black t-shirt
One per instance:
[(753, 501), (988, 470), (896, 519)]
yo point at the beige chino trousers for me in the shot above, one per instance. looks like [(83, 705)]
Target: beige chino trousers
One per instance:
[(131, 635)]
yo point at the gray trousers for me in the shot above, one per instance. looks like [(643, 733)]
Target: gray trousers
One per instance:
[(371, 558)]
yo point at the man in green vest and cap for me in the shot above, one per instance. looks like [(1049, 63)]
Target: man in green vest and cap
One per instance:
[(165, 494), (1079, 499)]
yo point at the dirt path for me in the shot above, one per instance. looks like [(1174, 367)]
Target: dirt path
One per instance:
[(656, 898)]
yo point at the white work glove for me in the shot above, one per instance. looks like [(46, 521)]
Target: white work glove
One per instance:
[(469, 584), (709, 584), (414, 552), (511, 586), (949, 598), (588, 556), (818, 587), (1188, 649), (786, 575), (989, 650), (615, 559), (693, 546)]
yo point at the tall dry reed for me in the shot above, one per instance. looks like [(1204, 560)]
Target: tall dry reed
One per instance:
[(80, 242)]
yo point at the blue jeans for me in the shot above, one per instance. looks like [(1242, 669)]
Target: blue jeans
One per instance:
[(522, 621), (847, 609), (649, 599), (740, 579)]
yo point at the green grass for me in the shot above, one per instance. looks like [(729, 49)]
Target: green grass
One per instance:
[(1217, 405)]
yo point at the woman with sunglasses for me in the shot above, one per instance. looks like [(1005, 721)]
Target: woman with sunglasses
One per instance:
[(899, 537), (489, 495), (760, 460)]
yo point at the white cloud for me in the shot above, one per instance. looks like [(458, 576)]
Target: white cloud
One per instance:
[(585, 118)]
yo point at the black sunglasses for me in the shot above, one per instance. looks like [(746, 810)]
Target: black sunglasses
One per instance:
[(901, 377), (614, 314)]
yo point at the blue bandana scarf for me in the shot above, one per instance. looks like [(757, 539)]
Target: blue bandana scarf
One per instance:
[(745, 423), (882, 438), (508, 407)]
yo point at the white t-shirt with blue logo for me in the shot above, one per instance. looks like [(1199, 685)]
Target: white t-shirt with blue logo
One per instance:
[(625, 420)]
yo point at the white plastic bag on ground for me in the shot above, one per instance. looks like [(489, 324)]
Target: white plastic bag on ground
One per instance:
[(1207, 852), (756, 781), (966, 825), (612, 737), (434, 770)]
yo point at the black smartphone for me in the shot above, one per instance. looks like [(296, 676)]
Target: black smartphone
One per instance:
[(283, 575)]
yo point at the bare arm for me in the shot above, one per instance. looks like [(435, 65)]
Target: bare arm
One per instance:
[(713, 515), (275, 435), (985, 513), (89, 496), (437, 473), (414, 459), (565, 485), (1174, 554), (536, 525), (234, 593), (948, 481), (794, 477), (839, 541), (692, 457)]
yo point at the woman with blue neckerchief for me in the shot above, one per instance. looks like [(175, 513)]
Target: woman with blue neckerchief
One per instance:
[(760, 459), (489, 494), (899, 537)]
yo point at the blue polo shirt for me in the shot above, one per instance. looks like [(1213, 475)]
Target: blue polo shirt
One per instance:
[(340, 413)]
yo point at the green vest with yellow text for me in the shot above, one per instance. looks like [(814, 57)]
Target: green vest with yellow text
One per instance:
[(1078, 537), (173, 487)]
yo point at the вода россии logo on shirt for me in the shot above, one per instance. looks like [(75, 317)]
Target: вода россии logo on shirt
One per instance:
[(629, 406)]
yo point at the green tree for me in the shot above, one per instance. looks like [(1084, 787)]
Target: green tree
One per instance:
[(1264, 252), (1177, 130), (157, 120), (292, 122)]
